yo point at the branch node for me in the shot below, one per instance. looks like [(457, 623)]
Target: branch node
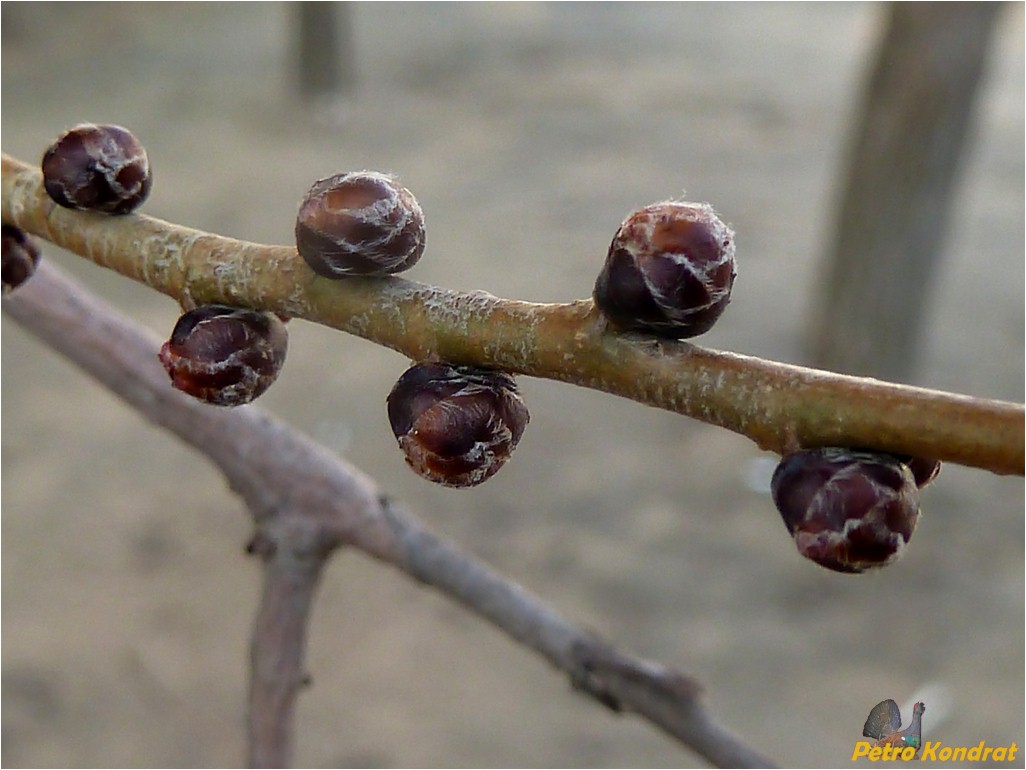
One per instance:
[(261, 545), (602, 672)]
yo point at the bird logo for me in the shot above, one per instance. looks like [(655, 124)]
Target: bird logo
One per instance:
[(884, 725)]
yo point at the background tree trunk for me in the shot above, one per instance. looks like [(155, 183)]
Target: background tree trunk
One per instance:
[(911, 134), (324, 54)]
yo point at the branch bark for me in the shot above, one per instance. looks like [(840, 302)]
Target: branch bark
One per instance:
[(779, 406), (278, 648), (306, 503)]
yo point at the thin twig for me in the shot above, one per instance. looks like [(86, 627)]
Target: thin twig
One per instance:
[(306, 503), (779, 406), (277, 648)]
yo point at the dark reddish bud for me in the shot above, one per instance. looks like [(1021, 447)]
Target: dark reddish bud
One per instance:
[(359, 223), (225, 355), (669, 270), (20, 257), (848, 511), (457, 425), (97, 168)]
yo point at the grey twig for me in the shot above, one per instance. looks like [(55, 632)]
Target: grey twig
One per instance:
[(306, 503)]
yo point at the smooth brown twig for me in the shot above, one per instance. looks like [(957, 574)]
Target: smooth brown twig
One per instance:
[(779, 406), (306, 503)]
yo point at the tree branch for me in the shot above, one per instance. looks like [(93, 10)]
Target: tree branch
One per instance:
[(306, 503), (278, 647), (779, 406)]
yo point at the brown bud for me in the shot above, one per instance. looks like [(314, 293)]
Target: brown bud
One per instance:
[(20, 257), (97, 168), (223, 355), (848, 511), (359, 223), (669, 271), (457, 425)]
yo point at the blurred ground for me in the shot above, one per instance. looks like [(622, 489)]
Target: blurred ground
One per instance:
[(527, 132)]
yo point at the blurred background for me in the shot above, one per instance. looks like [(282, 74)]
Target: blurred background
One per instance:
[(527, 132)]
